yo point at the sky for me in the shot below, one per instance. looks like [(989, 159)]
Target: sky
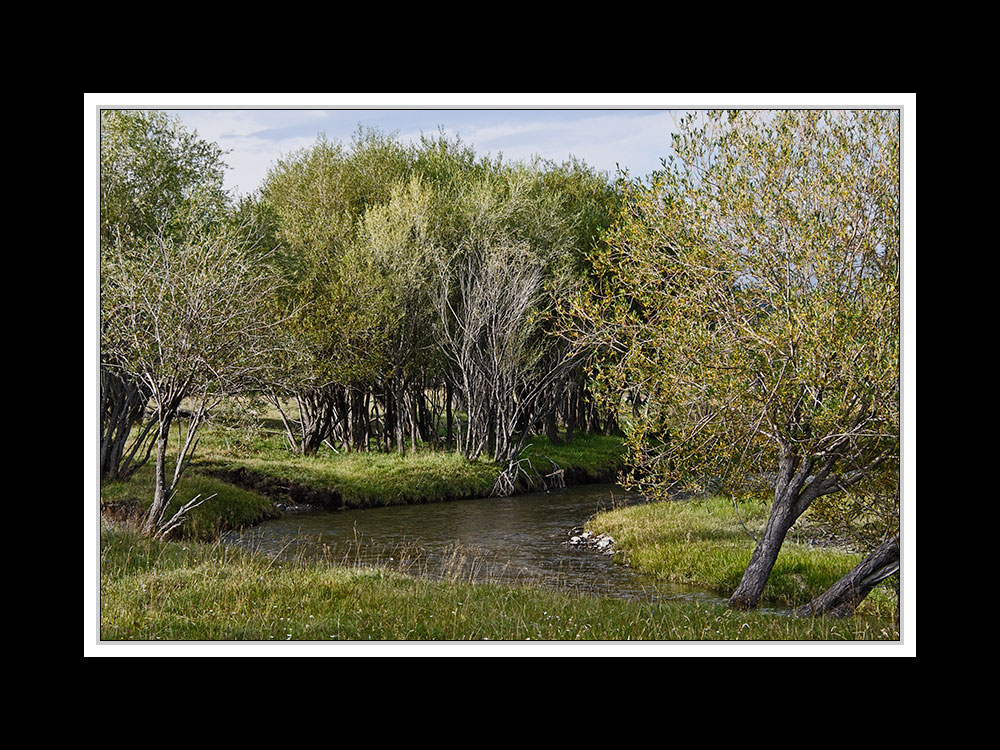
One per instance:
[(607, 131), (606, 139)]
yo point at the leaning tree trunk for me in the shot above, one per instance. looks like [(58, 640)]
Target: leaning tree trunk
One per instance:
[(751, 587), (841, 599)]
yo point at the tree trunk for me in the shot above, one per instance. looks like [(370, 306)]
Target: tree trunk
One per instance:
[(841, 599), (316, 412), (550, 421), (400, 411), (748, 593), (123, 401), (572, 405), (448, 415), (160, 496)]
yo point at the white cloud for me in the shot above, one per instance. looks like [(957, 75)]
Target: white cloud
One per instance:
[(604, 139), (255, 139)]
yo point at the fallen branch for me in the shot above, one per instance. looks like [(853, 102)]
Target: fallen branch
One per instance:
[(164, 529)]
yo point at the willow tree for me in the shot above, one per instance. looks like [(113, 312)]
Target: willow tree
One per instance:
[(391, 266), (190, 317), (496, 287), (156, 178), (751, 290), (317, 199)]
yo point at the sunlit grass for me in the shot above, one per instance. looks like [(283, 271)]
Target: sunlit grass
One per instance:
[(227, 508), (423, 475), (701, 543), (589, 457), (355, 480), (190, 591)]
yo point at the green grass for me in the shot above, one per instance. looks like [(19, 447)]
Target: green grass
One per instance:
[(357, 479), (424, 475), (701, 543), (366, 479), (588, 457), (193, 591), (231, 508)]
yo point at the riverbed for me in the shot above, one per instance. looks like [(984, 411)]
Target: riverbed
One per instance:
[(519, 540)]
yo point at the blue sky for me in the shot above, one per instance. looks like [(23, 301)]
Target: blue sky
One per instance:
[(630, 130), (634, 139)]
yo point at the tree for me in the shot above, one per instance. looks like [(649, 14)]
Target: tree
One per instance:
[(188, 316), (426, 280), (317, 199), (751, 291), (496, 288), (156, 177), (392, 264)]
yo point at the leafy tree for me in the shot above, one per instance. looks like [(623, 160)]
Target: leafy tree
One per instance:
[(188, 317), (317, 199), (497, 289), (392, 266), (156, 178), (426, 280), (751, 291)]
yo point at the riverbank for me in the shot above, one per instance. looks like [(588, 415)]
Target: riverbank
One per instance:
[(702, 542), (189, 591), (197, 588), (249, 486), (365, 480)]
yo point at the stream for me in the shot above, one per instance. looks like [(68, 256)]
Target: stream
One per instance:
[(519, 540)]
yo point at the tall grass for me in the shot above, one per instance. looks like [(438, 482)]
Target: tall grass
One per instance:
[(189, 591), (703, 543), (229, 507)]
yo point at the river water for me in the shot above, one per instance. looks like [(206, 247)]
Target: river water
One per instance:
[(522, 540)]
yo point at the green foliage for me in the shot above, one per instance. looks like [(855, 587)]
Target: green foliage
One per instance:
[(186, 286), (229, 508), (392, 266), (703, 543), (187, 313), (156, 175), (405, 259), (750, 291), (316, 199)]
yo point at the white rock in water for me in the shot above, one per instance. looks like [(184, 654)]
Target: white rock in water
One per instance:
[(575, 540)]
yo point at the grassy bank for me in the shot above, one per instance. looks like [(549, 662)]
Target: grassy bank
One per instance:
[(230, 508), (199, 589), (357, 480), (701, 542), (194, 591), (248, 478)]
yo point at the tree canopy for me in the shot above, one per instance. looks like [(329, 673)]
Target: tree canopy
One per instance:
[(186, 290), (426, 279), (750, 289)]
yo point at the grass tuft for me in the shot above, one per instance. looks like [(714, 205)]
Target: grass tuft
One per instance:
[(701, 543)]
